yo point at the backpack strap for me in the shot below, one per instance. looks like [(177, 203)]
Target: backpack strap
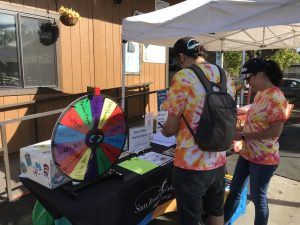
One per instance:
[(202, 78), (223, 78), (188, 126), (207, 84)]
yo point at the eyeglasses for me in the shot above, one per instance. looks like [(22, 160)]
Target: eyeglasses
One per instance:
[(247, 76), (191, 44)]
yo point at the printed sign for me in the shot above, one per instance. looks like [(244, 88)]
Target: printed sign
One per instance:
[(149, 121), (161, 97), (139, 139), (161, 119)]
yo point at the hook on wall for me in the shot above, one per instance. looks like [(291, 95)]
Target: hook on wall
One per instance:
[(118, 2)]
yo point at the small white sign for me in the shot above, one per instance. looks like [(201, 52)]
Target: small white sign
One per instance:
[(139, 139), (154, 54), (161, 119), (149, 121)]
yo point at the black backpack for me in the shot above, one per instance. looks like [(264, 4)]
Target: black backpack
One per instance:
[(216, 127)]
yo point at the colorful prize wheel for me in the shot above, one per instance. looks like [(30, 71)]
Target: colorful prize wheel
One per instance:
[(88, 137)]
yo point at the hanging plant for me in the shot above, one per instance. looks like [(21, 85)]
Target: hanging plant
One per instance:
[(48, 33), (68, 17)]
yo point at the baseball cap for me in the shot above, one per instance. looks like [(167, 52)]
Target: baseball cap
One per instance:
[(185, 45), (254, 65)]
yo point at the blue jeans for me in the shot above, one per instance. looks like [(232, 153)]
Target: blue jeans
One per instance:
[(260, 176)]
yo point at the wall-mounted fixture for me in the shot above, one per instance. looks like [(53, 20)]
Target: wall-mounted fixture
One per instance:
[(118, 2)]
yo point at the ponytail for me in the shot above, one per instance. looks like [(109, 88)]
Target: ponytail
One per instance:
[(273, 72)]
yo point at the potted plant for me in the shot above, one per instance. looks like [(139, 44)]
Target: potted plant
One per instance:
[(68, 17), (48, 33)]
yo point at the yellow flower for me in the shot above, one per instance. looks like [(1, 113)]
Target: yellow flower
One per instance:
[(70, 13)]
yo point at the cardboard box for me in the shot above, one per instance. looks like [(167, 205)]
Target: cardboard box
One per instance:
[(37, 164)]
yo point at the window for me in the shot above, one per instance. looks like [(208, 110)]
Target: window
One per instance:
[(24, 61)]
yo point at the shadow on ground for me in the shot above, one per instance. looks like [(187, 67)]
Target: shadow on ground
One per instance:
[(17, 212)]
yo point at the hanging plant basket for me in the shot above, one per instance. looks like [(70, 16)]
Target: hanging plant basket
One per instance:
[(48, 33), (68, 17), (68, 21)]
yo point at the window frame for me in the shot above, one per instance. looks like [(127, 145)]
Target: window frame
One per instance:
[(18, 12)]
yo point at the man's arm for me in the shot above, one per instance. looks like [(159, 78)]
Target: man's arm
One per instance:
[(171, 126)]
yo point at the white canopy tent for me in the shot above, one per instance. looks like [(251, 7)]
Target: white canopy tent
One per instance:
[(220, 25)]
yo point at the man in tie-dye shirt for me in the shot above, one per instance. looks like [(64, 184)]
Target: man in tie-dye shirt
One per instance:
[(198, 176), (259, 156)]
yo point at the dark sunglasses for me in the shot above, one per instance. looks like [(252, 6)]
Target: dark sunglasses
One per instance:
[(247, 76)]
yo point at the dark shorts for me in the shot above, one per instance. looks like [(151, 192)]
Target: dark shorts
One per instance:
[(198, 193)]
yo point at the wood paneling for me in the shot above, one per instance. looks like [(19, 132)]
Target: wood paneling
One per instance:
[(99, 43), (26, 129), (86, 75), (109, 45), (90, 54), (76, 51), (11, 129)]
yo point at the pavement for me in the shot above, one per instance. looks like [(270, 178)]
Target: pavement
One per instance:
[(283, 194)]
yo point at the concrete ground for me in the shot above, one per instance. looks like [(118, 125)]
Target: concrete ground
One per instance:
[(284, 204)]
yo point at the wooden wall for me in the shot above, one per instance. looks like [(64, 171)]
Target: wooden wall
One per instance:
[(89, 55)]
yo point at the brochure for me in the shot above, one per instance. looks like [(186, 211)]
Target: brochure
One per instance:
[(159, 138), (156, 158), (138, 165), (169, 152)]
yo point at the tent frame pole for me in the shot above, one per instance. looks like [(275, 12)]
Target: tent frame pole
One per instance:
[(123, 74)]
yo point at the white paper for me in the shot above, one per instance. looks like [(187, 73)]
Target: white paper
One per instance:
[(159, 138), (154, 54), (156, 158), (132, 58)]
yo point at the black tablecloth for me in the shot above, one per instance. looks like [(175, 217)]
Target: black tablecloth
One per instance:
[(112, 201)]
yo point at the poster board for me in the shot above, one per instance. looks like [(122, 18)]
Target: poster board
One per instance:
[(132, 58)]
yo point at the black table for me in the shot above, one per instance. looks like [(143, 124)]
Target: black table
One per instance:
[(112, 201)]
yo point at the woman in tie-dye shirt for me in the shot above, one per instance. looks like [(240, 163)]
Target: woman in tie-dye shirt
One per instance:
[(259, 156)]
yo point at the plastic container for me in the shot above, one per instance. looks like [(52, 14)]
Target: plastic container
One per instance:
[(241, 209)]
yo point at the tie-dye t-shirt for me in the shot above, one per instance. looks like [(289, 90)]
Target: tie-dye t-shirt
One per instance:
[(268, 106), (186, 95)]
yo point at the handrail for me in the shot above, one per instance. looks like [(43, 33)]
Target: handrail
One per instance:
[(33, 116)]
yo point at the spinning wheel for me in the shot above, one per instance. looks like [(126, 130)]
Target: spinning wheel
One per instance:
[(88, 137)]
